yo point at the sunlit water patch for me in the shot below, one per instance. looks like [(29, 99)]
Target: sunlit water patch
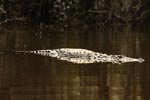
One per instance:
[(82, 56)]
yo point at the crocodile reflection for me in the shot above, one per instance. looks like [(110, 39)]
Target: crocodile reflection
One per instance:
[(83, 56)]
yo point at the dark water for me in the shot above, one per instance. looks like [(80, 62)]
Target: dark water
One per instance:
[(33, 77)]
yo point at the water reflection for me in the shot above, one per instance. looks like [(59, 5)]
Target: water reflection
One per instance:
[(26, 76), (124, 85)]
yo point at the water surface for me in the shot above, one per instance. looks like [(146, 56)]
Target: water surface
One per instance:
[(34, 77)]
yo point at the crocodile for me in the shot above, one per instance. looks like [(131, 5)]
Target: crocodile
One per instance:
[(81, 56)]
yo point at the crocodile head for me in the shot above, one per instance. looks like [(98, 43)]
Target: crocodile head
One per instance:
[(124, 59), (119, 59)]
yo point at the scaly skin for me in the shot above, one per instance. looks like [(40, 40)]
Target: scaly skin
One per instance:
[(81, 56)]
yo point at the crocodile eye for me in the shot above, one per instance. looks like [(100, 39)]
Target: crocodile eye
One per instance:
[(96, 54), (120, 56)]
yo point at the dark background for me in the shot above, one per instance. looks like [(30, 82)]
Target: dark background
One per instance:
[(106, 26), (56, 11)]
